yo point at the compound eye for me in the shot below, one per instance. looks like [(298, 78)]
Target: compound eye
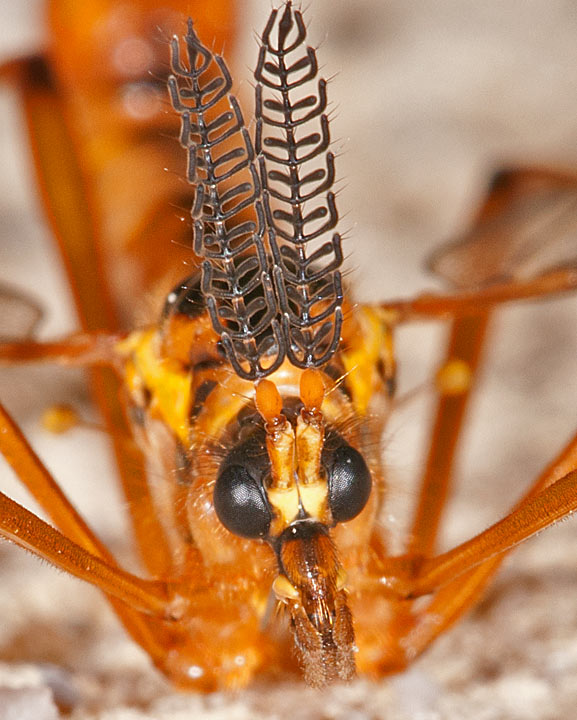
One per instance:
[(240, 503), (349, 483), (185, 299)]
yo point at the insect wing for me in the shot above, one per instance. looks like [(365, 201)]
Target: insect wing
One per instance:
[(109, 69), (526, 225)]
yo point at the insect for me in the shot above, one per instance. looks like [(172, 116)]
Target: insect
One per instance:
[(324, 636), (98, 101)]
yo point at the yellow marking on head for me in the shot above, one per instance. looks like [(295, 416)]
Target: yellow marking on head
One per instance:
[(314, 499), (226, 401), (167, 383), (361, 359), (286, 505)]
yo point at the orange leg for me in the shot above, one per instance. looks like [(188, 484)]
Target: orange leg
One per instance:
[(449, 604), (458, 578), (466, 344), (99, 349), (550, 499), (66, 196), (86, 558), (72, 217), (29, 532), (75, 222), (470, 311), (458, 304), (457, 596), (532, 515), (82, 549), (80, 349)]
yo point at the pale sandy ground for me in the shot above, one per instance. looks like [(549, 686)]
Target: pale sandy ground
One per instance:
[(430, 96)]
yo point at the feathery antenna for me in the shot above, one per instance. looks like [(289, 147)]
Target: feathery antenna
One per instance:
[(292, 135), (272, 286), (227, 211)]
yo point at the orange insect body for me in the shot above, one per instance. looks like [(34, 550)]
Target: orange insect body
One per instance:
[(110, 66), (260, 395), (194, 411), (96, 112)]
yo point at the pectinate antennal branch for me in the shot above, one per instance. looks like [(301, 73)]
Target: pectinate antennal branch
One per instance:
[(292, 136), (229, 221)]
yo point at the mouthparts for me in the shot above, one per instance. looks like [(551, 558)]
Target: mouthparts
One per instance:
[(321, 620)]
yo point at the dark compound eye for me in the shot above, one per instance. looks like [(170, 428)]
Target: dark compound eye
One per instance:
[(240, 503), (185, 299), (349, 482)]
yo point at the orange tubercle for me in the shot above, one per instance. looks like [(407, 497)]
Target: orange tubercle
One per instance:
[(268, 401), (312, 389)]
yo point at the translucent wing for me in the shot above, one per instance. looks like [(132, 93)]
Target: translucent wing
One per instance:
[(527, 224), (20, 314)]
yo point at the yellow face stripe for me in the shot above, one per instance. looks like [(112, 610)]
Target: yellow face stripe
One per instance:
[(361, 360), (298, 453), (167, 384)]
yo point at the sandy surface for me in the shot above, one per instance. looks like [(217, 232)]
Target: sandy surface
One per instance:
[(429, 97)]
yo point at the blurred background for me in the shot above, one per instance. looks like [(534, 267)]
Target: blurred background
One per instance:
[(428, 99)]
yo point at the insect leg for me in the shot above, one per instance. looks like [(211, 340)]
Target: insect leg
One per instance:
[(93, 350), (538, 510), (76, 548), (31, 533), (545, 285), (456, 597), (447, 606), (79, 349), (468, 333), (69, 209), (465, 343), (471, 310), (83, 556), (552, 497), (457, 579)]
